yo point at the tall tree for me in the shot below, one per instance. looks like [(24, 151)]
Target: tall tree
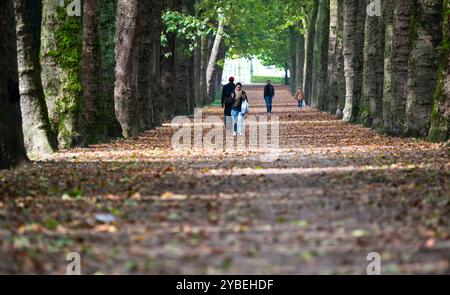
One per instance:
[(440, 121), (61, 51), (423, 65), (299, 60), (95, 105), (107, 45), (293, 35), (12, 149), (149, 78), (126, 104), (214, 56), (38, 134), (354, 19), (340, 103), (320, 57), (397, 38), (203, 67), (333, 55), (310, 50), (371, 101), (167, 68)]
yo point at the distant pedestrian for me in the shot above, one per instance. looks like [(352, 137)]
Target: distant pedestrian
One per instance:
[(300, 97), (227, 97), (236, 110), (269, 93)]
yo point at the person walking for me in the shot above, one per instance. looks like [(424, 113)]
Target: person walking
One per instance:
[(227, 98), (269, 93), (236, 110), (300, 97)]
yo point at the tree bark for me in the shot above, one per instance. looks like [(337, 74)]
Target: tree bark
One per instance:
[(217, 79), (198, 74), (95, 106), (167, 70), (340, 60), (61, 52), (148, 73), (181, 78), (108, 10), (293, 60), (203, 67), (354, 19), (125, 96), (440, 120), (397, 47), (423, 65), (299, 61), (38, 135), (214, 57), (310, 52), (320, 58), (371, 100), (333, 74), (12, 148)]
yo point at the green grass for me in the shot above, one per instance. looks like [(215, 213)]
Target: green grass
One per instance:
[(263, 79)]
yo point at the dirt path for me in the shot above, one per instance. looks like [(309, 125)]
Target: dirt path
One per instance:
[(336, 193)]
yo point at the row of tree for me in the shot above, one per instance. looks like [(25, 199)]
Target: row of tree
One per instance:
[(71, 79), (381, 63), (124, 66)]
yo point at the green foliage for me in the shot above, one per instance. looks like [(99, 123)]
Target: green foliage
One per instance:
[(186, 27), (253, 28)]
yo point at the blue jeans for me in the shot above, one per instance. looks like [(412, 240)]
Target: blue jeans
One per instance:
[(237, 121), (268, 103)]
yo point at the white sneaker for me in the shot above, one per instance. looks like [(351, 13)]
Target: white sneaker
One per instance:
[(234, 133)]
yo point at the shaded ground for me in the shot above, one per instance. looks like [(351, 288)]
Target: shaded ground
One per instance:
[(336, 193)]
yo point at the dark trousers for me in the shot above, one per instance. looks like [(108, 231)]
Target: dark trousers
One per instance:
[(227, 111), (268, 103)]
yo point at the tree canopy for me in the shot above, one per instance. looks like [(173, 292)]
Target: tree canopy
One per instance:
[(254, 28)]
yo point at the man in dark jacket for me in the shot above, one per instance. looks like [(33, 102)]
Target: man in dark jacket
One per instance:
[(269, 93), (227, 97)]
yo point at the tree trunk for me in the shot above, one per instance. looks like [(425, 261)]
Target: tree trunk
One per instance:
[(216, 83), (340, 59), (203, 67), (371, 100), (214, 57), (423, 65), (167, 70), (398, 22), (299, 61), (440, 120), (310, 51), (12, 149), (125, 99), (95, 108), (198, 74), (189, 9), (148, 89), (333, 74), (320, 58), (354, 19), (181, 78), (108, 10), (38, 135), (61, 52), (293, 60)]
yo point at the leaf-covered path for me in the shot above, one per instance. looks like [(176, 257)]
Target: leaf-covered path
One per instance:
[(337, 192)]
